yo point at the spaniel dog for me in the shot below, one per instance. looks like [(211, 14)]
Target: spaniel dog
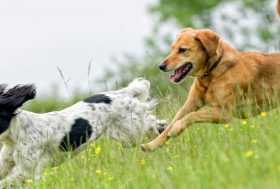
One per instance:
[(31, 140)]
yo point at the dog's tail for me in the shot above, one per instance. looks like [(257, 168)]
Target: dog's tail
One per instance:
[(140, 89), (278, 7), (14, 98)]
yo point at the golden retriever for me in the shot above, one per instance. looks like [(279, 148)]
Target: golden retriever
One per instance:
[(229, 82)]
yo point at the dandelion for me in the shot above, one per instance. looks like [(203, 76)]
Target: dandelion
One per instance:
[(244, 122), (167, 149), (98, 171), (97, 150), (263, 114), (170, 168), (248, 154), (176, 156), (226, 126), (142, 162), (29, 181), (110, 178), (254, 141), (92, 145)]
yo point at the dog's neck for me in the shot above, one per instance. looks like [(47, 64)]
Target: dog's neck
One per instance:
[(213, 66)]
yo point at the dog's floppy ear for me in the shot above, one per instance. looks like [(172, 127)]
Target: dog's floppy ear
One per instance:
[(14, 98), (208, 39)]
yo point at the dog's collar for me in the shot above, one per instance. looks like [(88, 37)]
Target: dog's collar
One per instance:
[(212, 67)]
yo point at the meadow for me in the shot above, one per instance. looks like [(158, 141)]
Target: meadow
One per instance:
[(241, 154)]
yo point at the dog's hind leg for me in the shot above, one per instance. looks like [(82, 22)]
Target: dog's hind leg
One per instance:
[(6, 160)]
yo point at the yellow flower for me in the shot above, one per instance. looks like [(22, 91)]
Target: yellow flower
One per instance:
[(252, 126), (142, 162), (263, 114), (167, 142), (91, 145), (226, 160), (167, 149), (111, 178), (176, 156), (72, 179), (29, 181), (226, 126), (248, 154), (170, 168), (97, 150), (244, 122), (98, 171), (254, 141)]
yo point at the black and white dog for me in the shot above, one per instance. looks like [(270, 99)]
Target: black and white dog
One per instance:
[(32, 140)]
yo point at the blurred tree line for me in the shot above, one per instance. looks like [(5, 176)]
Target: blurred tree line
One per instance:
[(245, 24)]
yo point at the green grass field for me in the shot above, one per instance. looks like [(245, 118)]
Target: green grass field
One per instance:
[(241, 154)]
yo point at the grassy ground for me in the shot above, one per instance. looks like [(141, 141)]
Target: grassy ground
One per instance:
[(242, 154)]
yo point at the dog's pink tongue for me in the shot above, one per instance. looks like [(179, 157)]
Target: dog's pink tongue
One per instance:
[(177, 74)]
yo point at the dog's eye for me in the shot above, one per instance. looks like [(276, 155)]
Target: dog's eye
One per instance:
[(182, 50)]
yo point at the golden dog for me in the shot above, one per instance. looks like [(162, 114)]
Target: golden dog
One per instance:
[(229, 82)]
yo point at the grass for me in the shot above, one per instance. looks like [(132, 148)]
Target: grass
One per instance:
[(241, 154)]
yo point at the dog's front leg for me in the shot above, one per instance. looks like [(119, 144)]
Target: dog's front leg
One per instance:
[(193, 103), (6, 160), (15, 177), (213, 115)]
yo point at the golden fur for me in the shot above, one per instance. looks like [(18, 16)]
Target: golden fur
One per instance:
[(235, 81)]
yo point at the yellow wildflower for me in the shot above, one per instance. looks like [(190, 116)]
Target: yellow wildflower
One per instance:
[(226, 126), (111, 178), (91, 145), (252, 126), (29, 181), (263, 114), (248, 154), (244, 122), (142, 162), (167, 149), (97, 150), (98, 171), (254, 141), (170, 168)]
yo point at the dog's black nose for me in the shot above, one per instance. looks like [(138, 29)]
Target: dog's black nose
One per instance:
[(162, 67)]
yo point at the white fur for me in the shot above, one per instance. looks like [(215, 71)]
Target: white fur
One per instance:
[(32, 139)]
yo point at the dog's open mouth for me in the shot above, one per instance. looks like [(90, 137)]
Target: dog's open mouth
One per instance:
[(181, 72)]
